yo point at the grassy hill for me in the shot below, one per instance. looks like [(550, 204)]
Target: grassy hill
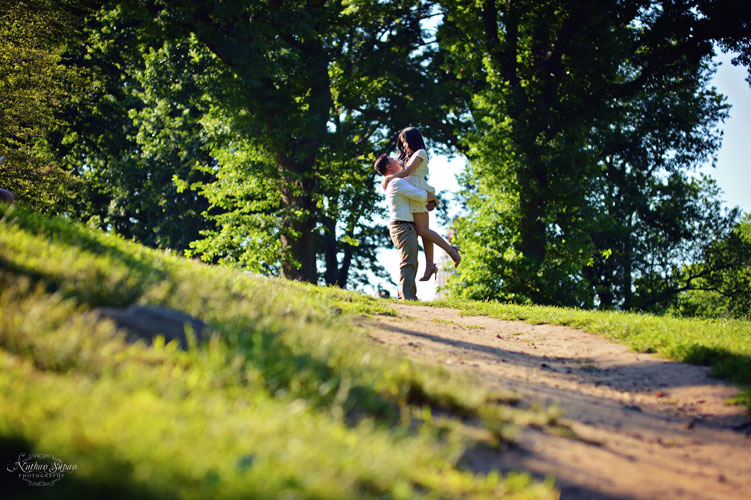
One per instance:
[(285, 399), (282, 397)]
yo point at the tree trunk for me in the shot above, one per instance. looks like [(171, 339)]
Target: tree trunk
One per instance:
[(335, 273), (298, 235), (331, 275), (605, 289), (628, 296), (343, 274), (297, 165), (532, 185)]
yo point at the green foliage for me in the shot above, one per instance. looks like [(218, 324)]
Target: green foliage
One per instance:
[(32, 89), (720, 285), (301, 95), (284, 399), (252, 146), (651, 216), (245, 134), (133, 127), (587, 121)]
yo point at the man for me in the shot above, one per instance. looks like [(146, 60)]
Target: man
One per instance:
[(401, 223)]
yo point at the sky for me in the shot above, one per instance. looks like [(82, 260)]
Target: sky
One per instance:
[(731, 172)]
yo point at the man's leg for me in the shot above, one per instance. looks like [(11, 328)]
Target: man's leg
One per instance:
[(404, 237)]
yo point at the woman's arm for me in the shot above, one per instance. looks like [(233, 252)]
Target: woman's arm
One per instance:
[(414, 162), (410, 167)]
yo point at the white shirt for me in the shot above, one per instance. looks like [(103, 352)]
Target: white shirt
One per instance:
[(398, 194)]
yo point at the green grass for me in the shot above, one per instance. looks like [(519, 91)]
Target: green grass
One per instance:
[(722, 344), (286, 400)]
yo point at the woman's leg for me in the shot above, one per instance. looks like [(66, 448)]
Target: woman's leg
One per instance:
[(422, 221), (422, 224)]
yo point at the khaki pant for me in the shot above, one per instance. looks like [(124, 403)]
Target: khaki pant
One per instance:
[(404, 236)]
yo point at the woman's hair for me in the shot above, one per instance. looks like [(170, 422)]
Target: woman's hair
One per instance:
[(414, 142)]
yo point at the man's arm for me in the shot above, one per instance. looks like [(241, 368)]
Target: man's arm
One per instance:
[(404, 188)]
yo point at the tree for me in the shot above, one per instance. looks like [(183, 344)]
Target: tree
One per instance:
[(314, 90), (648, 215), (720, 284), (133, 126), (254, 125), (34, 85), (559, 77)]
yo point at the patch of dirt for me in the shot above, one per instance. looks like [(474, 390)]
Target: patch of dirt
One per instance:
[(648, 428)]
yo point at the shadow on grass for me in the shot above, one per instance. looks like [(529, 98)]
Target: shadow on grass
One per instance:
[(96, 290), (281, 369), (725, 364)]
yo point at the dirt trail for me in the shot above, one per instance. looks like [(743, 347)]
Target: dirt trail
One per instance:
[(651, 429)]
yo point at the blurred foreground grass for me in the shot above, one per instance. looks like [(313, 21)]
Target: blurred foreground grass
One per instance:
[(284, 401)]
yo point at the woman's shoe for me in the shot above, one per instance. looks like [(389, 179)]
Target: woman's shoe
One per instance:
[(458, 257), (430, 270)]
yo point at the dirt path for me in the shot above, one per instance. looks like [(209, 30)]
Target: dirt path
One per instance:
[(651, 429)]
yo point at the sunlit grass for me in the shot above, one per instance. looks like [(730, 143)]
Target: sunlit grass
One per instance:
[(285, 400)]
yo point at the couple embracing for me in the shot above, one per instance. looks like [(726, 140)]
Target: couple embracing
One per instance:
[(410, 198)]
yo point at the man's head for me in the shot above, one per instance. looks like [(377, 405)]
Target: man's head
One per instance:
[(386, 165)]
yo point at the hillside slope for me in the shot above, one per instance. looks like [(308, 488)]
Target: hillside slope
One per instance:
[(277, 397)]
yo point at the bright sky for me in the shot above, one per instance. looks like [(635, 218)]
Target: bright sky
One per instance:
[(731, 172)]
